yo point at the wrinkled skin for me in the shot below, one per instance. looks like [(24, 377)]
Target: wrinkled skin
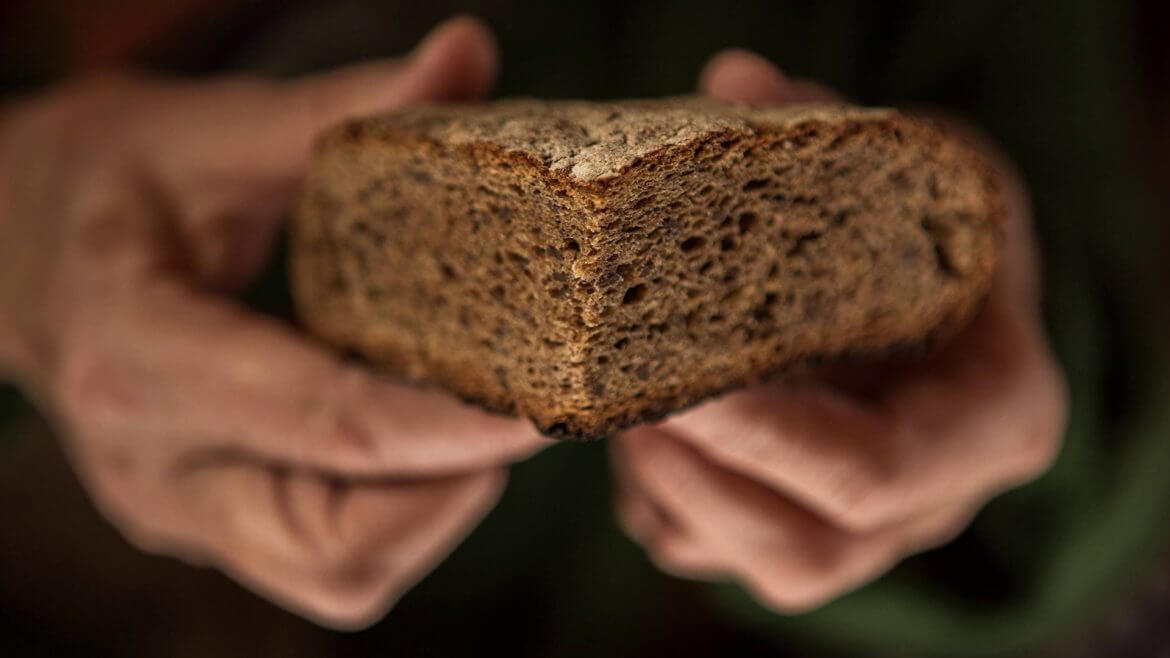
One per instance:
[(802, 490), (132, 211)]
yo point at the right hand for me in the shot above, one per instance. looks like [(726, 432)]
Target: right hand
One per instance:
[(130, 212), (806, 488)]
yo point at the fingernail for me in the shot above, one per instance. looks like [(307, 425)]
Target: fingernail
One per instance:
[(466, 24), (456, 59), (743, 76)]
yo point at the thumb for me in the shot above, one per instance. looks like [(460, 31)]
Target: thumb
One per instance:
[(741, 76), (457, 60), (260, 133)]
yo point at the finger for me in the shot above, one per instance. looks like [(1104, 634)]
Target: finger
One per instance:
[(639, 517), (224, 383), (983, 416), (671, 548), (457, 60), (338, 552), (263, 131), (786, 555), (823, 449), (224, 156), (674, 551), (745, 77)]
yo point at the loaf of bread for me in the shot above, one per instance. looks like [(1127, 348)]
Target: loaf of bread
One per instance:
[(596, 265)]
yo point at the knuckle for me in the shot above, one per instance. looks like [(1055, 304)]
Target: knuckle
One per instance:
[(819, 563), (678, 555), (1041, 427), (1039, 451), (352, 598), (801, 581), (793, 595), (862, 499), (109, 485), (152, 540), (330, 412), (315, 544), (114, 497), (1043, 430), (120, 498), (637, 522), (335, 557), (99, 226), (90, 390), (941, 535), (348, 439)]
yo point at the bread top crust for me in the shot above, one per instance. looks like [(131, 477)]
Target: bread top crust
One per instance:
[(596, 141)]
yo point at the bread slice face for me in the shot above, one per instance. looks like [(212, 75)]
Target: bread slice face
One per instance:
[(596, 265)]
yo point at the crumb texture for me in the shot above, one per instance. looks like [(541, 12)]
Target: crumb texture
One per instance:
[(595, 265)]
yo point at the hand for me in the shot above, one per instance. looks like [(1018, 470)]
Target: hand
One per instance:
[(802, 490), (129, 211)]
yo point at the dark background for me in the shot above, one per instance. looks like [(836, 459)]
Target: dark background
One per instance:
[(70, 586)]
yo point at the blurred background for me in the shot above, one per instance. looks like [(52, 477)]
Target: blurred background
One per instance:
[(1078, 92)]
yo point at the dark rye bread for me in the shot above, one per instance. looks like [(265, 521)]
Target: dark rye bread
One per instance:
[(596, 265)]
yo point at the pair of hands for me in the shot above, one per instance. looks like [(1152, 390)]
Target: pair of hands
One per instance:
[(132, 211)]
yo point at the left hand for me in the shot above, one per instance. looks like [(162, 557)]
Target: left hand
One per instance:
[(132, 212), (802, 490)]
